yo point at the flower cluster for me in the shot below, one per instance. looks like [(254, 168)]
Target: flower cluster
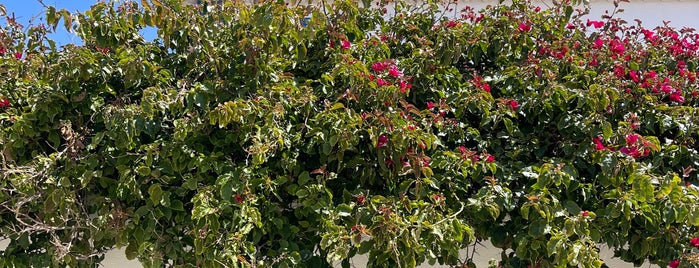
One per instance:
[(387, 70), (4, 103)]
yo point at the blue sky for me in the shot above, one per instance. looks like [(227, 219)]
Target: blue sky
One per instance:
[(26, 11)]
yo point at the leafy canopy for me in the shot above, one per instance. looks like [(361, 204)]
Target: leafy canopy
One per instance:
[(292, 135)]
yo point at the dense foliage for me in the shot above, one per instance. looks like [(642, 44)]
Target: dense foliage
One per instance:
[(290, 135)]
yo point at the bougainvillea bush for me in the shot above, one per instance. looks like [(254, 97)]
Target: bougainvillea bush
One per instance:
[(280, 135)]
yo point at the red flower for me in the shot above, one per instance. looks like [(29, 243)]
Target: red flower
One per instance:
[(677, 97), (394, 72), (380, 82), (451, 24), (631, 138), (585, 213), (695, 94), (694, 242), (513, 104), (404, 86), (383, 140), (379, 66), (634, 76), (537, 9), (595, 23), (523, 27), (617, 46), (598, 43), (570, 26), (489, 158), (486, 87), (462, 149), (430, 105), (346, 44), (598, 143), (361, 199), (390, 163), (2, 50), (4, 103), (18, 55), (631, 151), (674, 264), (239, 198)]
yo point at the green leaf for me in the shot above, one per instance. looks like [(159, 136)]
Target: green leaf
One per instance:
[(155, 193)]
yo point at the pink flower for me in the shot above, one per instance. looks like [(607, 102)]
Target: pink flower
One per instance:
[(4, 103), (486, 87), (617, 46), (598, 143), (634, 76), (570, 26), (677, 97), (694, 242), (404, 86), (598, 43), (594, 23), (537, 9), (462, 149), (523, 27), (631, 151), (674, 264), (380, 82), (631, 138), (451, 24), (513, 104), (390, 163), (489, 158), (346, 44), (394, 72), (379, 66), (430, 105), (18, 55), (382, 142)]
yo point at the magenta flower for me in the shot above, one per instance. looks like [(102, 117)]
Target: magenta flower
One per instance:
[(486, 87), (617, 46), (430, 105), (346, 44), (595, 23), (380, 82), (18, 55), (598, 43), (4, 103), (694, 242), (382, 142), (394, 72), (598, 143), (513, 104), (379, 66), (489, 158), (634, 76), (404, 86), (523, 27), (451, 24), (631, 138), (674, 264), (677, 97)]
